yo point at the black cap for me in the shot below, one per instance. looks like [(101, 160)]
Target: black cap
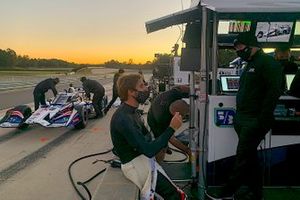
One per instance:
[(56, 80), (282, 48), (82, 79), (246, 38)]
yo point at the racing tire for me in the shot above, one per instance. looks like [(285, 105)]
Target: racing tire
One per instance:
[(26, 111), (83, 117)]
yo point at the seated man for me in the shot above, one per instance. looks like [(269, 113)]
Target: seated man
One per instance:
[(161, 111), (71, 88), (132, 142)]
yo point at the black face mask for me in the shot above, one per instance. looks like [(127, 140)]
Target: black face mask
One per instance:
[(284, 62), (142, 96), (244, 53)]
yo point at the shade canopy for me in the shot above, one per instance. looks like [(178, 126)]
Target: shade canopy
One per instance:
[(232, 9)]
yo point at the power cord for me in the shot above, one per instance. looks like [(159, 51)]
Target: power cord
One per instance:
[(83, 183), (180, 160)]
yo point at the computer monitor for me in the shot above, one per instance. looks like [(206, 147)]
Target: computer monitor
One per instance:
[(229, 83), (289, 79)]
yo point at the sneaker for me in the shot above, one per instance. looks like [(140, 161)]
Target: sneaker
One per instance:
[(213, 196)]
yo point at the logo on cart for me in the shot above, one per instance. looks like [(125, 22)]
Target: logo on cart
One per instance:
[(224, 117)]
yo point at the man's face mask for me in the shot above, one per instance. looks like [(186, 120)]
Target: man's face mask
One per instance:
[(244, 53), (142, 96), (284, 61)]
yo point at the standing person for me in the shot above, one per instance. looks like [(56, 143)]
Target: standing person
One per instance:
[(132, 142), (142, 74), (40, 90), (115, 90), (283, 55), (161, 112), (259, 90), (92, 86)]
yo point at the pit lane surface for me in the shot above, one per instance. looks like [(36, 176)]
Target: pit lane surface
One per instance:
[(11, 98), (34, 162), (38, 161)]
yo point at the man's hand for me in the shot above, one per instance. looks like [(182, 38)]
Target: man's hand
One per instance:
[(176, 121)]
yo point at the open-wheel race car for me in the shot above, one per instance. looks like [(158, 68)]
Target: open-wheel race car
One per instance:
[(16, 117), (66, 110)]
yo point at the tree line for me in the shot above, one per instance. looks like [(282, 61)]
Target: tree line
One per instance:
[(10, 59)]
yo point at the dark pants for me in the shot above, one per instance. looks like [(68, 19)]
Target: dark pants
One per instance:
[(97, 103), (247, 168), (165, 189), (112, 101), (39, 98)]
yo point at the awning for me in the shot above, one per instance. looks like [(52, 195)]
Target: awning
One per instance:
[(188, 15), (233, 6), (231, 9)]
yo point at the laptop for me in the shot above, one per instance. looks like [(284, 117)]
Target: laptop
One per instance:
[(229, 83)]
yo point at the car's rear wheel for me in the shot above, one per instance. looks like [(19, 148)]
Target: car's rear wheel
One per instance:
[(26, 111)]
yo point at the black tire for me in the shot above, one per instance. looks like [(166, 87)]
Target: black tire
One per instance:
[(23, 126), (83, 118), (26, 111)]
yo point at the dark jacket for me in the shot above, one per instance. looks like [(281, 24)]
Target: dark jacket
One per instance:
[(289, 67), (159, 116), (131, 138), (92, 86), (44, 86), (116, 77), (260, 88)]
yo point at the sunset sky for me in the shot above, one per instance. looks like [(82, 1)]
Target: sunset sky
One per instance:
[(87, 31)]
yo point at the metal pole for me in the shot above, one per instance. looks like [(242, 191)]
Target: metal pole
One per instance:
[(193, 140), (214, 54), (202, 105)]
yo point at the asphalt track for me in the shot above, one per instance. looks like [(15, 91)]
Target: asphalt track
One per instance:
[(34, 161), (11, 98)]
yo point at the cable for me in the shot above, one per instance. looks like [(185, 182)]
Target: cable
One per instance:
[(86, 189), (180, 160), (85, 182), (71, 178)]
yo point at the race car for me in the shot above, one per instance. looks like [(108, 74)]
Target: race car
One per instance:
[(16, 117), (66, 110), (280, 30)]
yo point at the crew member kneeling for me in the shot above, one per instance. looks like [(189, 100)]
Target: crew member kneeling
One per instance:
[(132, 142)]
